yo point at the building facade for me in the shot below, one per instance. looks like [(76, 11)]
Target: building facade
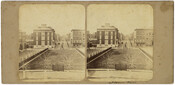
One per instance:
[(143, 37), (78, 37), (29, 40), (44, 37), (107, 36), (92, 39), (22, 40)]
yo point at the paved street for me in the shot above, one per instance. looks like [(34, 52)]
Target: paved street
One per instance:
[(64, 44)]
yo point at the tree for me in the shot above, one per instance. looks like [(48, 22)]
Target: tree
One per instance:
[(21, 47)]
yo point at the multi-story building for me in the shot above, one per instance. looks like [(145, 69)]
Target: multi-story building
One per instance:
[(29, 40), (22, 40), (107, 36), (143, 37), (78, 37), (44, 36), (92, 38)]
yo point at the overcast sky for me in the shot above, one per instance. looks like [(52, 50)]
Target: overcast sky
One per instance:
[(126, 17), (62, 18)]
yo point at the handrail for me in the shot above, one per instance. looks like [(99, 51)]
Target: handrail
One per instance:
[(30, 58), (98, 54)]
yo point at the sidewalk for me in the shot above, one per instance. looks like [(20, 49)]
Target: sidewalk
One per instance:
[(48, 75), (120, 76)]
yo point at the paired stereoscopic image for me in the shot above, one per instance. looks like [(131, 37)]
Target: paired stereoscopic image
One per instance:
[(56, 45), (52, 42), (120, 42)]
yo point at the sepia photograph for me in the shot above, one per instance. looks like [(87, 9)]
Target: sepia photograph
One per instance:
[(119, 45), (52, 42), (120, 42), (87, 42)]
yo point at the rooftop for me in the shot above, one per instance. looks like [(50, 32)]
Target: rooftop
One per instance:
[(106, 27), (44, 27), (77, 30), (143, 29)]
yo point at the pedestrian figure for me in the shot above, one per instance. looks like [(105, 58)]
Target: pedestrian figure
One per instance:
[(125, 45), (62, 45)]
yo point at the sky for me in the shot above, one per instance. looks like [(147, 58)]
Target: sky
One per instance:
[(63, 18), (125, 17)]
